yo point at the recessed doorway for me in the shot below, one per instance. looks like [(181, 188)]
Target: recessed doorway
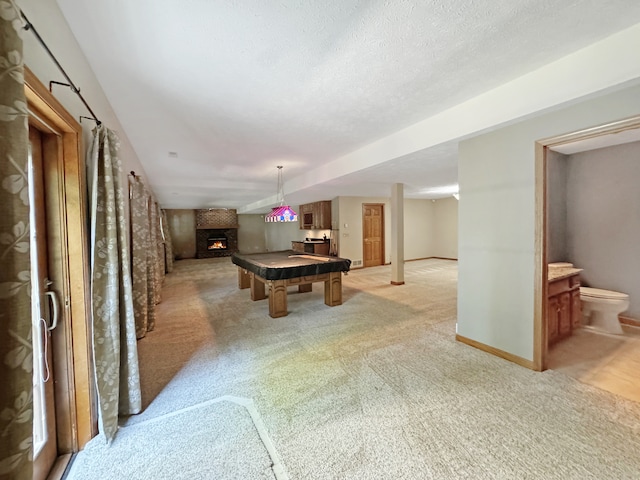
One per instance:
[(602, 361)]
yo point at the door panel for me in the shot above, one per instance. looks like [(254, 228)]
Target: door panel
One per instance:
[(65, 208), (373, 234), (44, 419)]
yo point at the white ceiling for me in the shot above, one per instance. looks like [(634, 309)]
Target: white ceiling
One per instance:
[(237, 87)]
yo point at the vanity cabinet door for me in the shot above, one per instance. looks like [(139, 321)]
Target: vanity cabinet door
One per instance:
[(564, 316), (553, 314)]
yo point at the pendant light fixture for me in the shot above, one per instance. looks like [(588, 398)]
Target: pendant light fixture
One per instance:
[(282, 213)]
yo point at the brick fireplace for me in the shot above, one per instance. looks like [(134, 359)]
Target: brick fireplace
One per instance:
[(216, 232)]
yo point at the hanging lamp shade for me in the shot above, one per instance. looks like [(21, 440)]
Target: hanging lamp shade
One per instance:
[(282, 213)]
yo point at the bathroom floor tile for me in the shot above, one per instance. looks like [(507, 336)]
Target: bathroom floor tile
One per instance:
[(609, 362)]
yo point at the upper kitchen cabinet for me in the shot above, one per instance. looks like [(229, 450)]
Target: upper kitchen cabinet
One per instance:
[(316, 215)]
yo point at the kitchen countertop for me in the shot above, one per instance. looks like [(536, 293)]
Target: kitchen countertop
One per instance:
[(561, 272)]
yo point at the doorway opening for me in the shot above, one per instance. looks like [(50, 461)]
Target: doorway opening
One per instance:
[(61, 261), (579, 352)]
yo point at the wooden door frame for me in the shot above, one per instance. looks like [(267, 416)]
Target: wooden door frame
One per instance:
[(382, 243), (540, 347), (65, 196)]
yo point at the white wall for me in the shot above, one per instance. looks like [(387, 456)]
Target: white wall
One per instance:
[(419, 229), (251, 234), (279, 235), (52, 27), (603, 219), (430, 228), (445, 226), (497, 220), (349, 231), (556, 207)]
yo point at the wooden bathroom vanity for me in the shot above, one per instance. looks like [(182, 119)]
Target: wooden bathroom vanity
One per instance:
[(564, 310)]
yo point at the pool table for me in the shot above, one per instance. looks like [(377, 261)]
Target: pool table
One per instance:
[(279, 270)]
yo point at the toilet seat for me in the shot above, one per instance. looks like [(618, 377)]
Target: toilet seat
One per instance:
[(599, 293)]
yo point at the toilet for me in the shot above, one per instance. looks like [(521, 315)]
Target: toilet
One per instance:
[(600, 308)]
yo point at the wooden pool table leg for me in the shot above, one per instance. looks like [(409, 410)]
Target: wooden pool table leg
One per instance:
[(278, 298), (257, 288), (244, 280), (333, 289)]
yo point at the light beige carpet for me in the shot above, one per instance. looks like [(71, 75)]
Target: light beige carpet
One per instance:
[(374, 388)]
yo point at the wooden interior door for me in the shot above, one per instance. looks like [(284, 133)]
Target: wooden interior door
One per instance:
[(373, 234)]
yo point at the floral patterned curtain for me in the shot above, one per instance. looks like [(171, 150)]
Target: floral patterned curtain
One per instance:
[(114, 338), (168, 244), (16, 360), (145, 252), (157, 242)]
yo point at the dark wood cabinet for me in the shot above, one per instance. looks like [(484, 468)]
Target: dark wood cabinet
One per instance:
[(315, 216), (321, 248), (564, 310)]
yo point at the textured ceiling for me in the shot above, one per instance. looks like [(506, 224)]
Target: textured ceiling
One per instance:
[(236, 88)]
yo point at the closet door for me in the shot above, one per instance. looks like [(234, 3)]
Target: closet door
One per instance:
[(372, 234)]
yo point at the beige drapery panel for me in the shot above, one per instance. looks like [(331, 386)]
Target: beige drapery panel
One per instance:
[(16, 355), (158, 243), (168, 244), (114, 337), (147, 256)]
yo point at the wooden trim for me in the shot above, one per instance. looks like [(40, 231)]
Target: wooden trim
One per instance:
[(497, 352), (217, 227), (540, 346), (67, 213), (59, 468), (630, 123), (629, 321), (428, 258), (540, 284), (396, 283)]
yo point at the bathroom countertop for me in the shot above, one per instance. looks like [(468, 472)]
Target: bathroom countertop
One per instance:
[(562, 272)]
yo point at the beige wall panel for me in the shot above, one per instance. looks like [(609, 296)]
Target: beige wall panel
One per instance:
[(182, 225)]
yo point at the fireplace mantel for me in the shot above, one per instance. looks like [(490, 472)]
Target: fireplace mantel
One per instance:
[(216, 227)]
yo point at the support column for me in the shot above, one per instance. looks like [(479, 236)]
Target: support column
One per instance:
[(397, 234)]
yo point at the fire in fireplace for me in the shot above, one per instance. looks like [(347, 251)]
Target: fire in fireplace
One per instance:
[(219, 242)]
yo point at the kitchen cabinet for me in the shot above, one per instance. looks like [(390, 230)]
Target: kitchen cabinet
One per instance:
[(316, 215), (564, 310), (321, 248)]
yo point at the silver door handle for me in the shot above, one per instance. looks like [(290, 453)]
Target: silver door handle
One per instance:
[(54, 303)]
